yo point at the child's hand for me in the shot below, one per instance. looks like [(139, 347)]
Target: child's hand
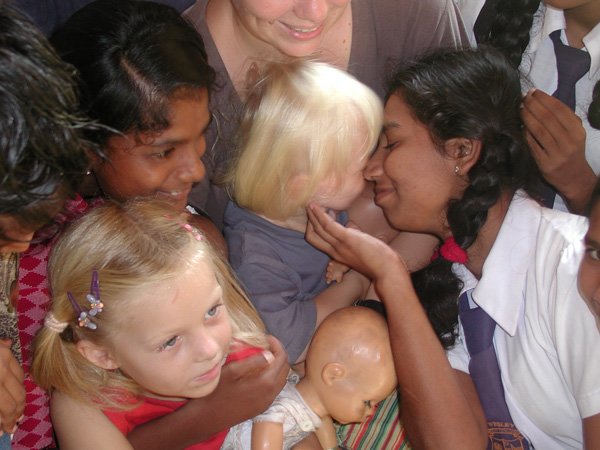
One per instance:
[(335, 271), (12, 391)]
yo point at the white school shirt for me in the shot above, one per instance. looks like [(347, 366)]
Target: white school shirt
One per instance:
[(546, 341), (539, 69)]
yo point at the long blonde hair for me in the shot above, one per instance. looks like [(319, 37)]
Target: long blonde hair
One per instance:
[(302, 118), (131, 245)]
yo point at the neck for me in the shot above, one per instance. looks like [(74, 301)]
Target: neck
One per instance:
[(311, 396), (298, 222), (580, 20), (486, 237)]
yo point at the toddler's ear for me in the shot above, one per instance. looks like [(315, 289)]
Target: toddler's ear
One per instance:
[(96, 354), (333, 372)]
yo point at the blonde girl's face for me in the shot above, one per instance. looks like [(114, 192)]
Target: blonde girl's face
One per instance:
[(589, 270), (338, 194), (174, 335)]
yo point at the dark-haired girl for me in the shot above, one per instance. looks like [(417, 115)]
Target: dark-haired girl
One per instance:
[(453, 162), (564, 145), (145, 78)]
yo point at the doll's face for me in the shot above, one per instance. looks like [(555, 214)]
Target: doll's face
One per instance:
[(355, 397), (589, 271)]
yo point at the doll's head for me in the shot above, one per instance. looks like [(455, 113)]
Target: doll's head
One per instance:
[(349, 364), (41, 147), (143, 74), (159, 308), (305, 136), (589, 270)]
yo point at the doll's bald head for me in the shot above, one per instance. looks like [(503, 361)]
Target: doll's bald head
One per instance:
[(350, 362)]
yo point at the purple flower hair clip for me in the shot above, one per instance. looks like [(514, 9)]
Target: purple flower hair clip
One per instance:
[(85, 317)]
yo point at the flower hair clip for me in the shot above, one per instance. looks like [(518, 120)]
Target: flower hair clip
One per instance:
[(85, 317)]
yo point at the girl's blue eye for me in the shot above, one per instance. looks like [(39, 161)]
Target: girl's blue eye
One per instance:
[(213, 312), (170, 343)]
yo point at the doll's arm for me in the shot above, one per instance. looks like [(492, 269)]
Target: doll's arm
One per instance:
[(326, 434), (78, 425), (267, 435)]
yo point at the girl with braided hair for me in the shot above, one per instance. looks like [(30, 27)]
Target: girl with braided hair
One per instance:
[(453, 162)]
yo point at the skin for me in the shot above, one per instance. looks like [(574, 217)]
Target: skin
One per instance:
[(177, 336), (163, 165), (20, 237), (556, 137), (589, 270), (247, 32)]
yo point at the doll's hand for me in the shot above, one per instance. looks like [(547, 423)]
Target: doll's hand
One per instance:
[(360, 251), (335, 271), (556, 137), (12, 391)]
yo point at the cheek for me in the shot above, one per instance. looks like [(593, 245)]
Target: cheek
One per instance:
[(589, 279)]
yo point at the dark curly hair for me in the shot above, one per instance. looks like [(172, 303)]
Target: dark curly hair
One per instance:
[(132, 58), (476, 94), (42, 152)]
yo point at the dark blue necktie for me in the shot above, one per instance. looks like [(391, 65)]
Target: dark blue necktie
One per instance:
[(479, 328), (571, 65)]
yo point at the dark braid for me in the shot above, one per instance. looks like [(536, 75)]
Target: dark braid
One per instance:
[(475, 94), (509, 30)]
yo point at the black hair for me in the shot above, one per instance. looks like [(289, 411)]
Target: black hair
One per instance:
[(133, 57), (508, 31), (476, 94), (42, 156)]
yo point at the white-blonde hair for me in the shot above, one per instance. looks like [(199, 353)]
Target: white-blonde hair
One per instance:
[(302, 118), (129, 245)]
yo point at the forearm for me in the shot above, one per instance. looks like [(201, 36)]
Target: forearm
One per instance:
[(353, 287), (436, 411), (577, 190)]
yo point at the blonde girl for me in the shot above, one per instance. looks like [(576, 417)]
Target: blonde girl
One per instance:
[(143, 311), (305, 137)]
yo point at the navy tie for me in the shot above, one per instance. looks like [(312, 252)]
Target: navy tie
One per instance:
[(479, 328), (571, 65)]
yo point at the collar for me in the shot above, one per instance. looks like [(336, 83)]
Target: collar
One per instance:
[(500, 290), (552, 19)]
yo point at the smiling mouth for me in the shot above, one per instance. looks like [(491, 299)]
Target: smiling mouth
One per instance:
[(304, 31)]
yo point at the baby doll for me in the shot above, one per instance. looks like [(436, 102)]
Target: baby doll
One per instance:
[(349, 369)]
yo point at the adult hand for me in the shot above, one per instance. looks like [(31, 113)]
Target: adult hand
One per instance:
[(251, 384), (12, 391), (556, 137), (364, 253)]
